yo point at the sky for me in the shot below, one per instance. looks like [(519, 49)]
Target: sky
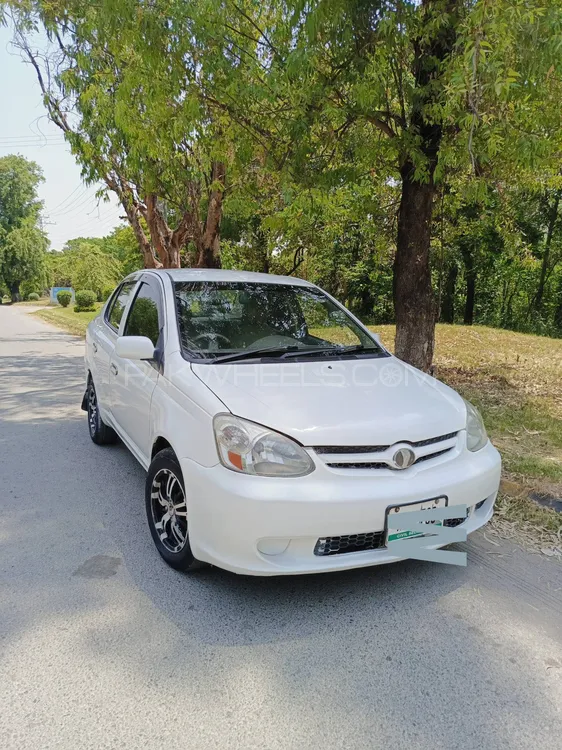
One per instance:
[(70, 207)]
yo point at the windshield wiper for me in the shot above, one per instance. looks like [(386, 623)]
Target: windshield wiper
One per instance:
[(359, 348), (286, 352), (270, 351)]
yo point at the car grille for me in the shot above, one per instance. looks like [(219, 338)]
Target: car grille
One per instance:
[(453, 521), (382, 464), (338, 545), (327, 449), (357, 457)]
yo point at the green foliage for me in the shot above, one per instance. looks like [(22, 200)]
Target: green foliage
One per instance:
[(22, 243), (33, 285), (64, 298), (33, 297), (106, 294), (91, 268), (22, 257), (95, 262), (319, 111), (122, 245), (5, 299), (85, 300), (19, 179)]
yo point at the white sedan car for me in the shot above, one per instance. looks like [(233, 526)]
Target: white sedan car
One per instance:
[(277, 432)]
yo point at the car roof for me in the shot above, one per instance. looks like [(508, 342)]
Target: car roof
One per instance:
[(214, 274)]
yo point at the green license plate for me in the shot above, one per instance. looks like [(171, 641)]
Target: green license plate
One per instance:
[(396, 517)]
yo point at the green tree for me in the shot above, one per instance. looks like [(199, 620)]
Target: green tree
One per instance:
[(19, 179), (158, 148), (22, 244), (406, 89), (91, 268), (122, 244), (22, 258)]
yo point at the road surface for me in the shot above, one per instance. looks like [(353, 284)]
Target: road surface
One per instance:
[(104, 646)]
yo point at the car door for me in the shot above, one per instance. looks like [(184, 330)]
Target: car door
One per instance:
[(132, 382), (103, 342)]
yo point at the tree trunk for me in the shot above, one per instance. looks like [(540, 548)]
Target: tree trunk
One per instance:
[(470, 275), (470, 295), (132, 210), (448, 305), (414, 303), (160, 232), (553, 216), (15, 291), (208, 251), (558, 308), (208, 244), (262, 250)]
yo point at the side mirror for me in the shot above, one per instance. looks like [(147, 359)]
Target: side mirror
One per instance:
[(134, 347)]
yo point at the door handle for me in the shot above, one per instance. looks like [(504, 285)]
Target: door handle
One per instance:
[(94, 346), (114, 369)]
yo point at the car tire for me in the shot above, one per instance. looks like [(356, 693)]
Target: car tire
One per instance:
[(101, 433), (166, 511)]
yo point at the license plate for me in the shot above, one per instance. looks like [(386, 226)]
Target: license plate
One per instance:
[(393, 513)]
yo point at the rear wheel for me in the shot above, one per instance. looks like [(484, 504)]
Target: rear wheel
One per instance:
[(101, 433), (166, 511)]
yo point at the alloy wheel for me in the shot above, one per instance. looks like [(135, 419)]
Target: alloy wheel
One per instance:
[(92, 410), (169, 511)]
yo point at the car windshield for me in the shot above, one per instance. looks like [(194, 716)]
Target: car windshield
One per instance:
[(240, 319)]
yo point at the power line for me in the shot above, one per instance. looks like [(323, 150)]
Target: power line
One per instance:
[(102, 219), (80, 185), (32, 145), (32, 141), (74, 203), (37, 136), (82, 199)]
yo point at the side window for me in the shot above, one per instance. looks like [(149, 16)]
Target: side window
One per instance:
[(144, 318), (115, 312)]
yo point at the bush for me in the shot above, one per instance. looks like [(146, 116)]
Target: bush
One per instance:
[(33, 297), (6, 299), (64, 297), (106, 294), (85, 301)]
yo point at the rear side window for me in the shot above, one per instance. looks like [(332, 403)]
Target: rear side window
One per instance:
[(115, 312), (144, 318)]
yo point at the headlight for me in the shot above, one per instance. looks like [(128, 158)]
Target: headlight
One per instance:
[(476, 436), (252, 449)]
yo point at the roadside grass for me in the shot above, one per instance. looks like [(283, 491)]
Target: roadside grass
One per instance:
[(66, 318), (42, 302)]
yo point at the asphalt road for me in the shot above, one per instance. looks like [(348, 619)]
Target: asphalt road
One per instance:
[(104, 646)]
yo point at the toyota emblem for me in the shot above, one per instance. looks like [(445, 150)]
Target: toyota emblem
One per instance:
[(403, 458)]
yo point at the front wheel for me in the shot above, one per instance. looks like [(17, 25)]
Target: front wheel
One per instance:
[(101, 433), (166, 511)]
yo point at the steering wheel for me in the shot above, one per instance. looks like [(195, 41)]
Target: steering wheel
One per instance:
[(211, 337)]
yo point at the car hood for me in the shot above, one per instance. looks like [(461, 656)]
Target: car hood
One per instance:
[(376, 401)]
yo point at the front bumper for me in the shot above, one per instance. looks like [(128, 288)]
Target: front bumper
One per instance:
[(232, 516)]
